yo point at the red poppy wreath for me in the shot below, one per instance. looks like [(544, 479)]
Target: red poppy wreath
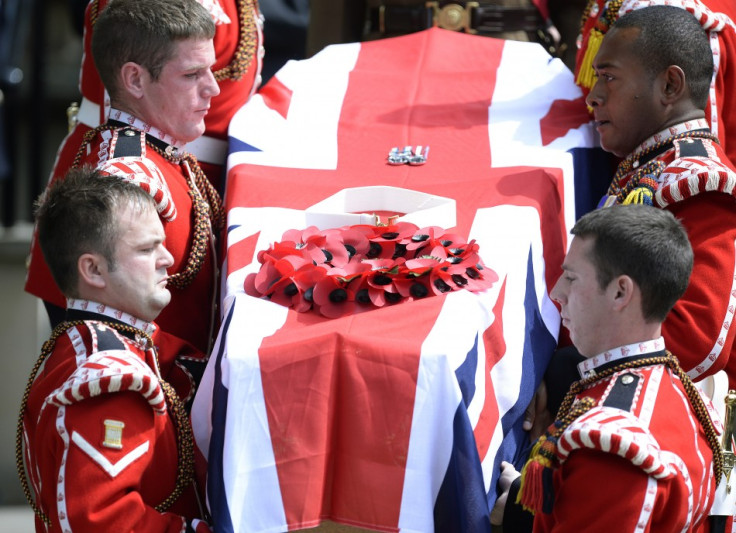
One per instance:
[(336, 271)]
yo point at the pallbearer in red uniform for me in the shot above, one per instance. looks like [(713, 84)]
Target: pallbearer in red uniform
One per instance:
[(239, 54), (654, 69), (718, 19), (156, 60), (106, 440), (634, 442)]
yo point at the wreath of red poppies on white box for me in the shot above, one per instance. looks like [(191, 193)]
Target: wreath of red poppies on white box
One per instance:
[(336, 272)]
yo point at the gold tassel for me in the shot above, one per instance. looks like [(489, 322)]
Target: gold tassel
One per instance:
[(586, 75)]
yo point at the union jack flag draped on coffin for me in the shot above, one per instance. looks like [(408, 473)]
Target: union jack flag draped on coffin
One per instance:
[(395, 418)]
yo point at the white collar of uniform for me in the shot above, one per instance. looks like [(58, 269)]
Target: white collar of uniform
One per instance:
[(121, 316), (135, 122), (589, 366), (682, 127)]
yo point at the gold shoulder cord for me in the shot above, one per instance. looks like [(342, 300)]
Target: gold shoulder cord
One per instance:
[(94, 10), (182, 424), (246, 50)]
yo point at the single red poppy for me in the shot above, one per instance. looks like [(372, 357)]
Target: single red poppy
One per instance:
[(332, 298)]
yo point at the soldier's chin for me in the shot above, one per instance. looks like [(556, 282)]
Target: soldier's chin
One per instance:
[(612, 148), (196, 132), (574, 340), (164, 299)]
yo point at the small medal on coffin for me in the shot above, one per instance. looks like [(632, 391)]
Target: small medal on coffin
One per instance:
[(408, 155)]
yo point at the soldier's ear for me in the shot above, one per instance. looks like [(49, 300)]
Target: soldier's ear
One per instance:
[(622, 290), (133, 79), (92, 269), (674, 87)]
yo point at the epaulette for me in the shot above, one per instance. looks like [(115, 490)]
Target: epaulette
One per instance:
[(127, 143), (696, 169), (104, 339), (108, 372), (622, 391), (693, 147), (611, 430)]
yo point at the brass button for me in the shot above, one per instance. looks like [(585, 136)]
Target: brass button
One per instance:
[(452, 17)]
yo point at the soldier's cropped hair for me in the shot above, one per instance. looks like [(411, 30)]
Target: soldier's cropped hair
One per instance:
[(645, 243), (672, 36), (76, 215), (146, 33)]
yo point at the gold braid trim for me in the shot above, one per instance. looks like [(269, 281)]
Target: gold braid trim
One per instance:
[(94, 12), (205, 187), (696, 401), (207, 212), (182, 424), (246, 50)]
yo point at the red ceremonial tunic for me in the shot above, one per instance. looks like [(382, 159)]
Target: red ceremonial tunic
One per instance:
[(696, 182), (638, 460), (717, 18), (100, 439), (190, 314), (239, 54)]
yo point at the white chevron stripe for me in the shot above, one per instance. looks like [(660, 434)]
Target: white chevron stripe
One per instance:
[(111, 468)]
